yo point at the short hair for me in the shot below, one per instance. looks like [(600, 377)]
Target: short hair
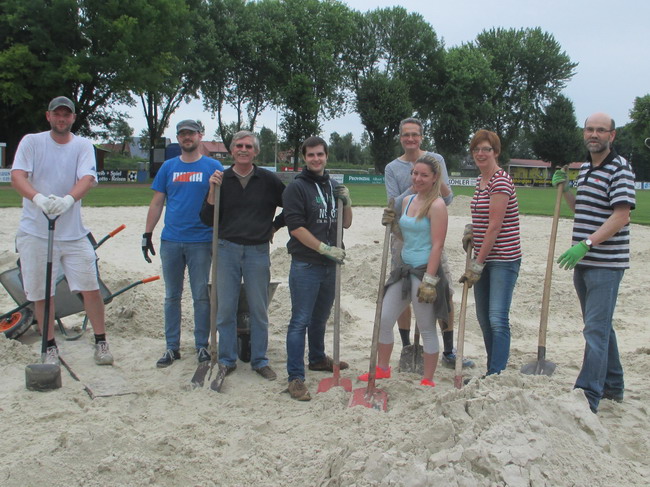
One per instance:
[(413, 120), (242, 134), (313, 141), (612, 126), (486, 136)]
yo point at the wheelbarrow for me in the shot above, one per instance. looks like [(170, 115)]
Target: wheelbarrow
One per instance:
[(17, 321)]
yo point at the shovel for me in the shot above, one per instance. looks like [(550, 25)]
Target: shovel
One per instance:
[(204, 368), (45, 377), (460, 347), (411, 358), (541, 366), (335, 381), (370, 396)]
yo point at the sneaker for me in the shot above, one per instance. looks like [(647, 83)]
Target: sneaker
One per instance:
[(449, 361), (103, 355), (427, 382), (379, 374), (327, 365), (203, 355), (266, 372), (52, 356), (298, 390), (168, 358)]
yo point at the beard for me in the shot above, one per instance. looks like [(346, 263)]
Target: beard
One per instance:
[(596, 146), (190, 147)]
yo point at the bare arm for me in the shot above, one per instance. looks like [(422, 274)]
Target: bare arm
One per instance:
[(617, 220), (155, 210), (20, 182), (347, 217), (439, 220), (82, 187), (498, 206), (215, 179), (306, 238), (570, 199)]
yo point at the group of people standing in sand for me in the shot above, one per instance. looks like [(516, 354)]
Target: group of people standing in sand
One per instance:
[(191, 186)]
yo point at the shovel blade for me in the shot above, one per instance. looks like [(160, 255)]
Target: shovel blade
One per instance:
[(411, 360), (198, 379), (373, 399), (539, 367), (217, 383), (326, 384)]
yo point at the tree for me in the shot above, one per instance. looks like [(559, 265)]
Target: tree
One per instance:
[(557, 138), (398, 54), (531, 70), (120, 132), (268, 142)]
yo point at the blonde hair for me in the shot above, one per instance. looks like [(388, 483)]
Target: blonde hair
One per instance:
[(434, 165)]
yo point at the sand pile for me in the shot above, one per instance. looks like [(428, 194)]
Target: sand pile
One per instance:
[(510, 430)]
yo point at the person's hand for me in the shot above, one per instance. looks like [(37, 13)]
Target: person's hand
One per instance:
[(343, 193), (468, 237), (59, 205), (427, 290), (43, 202), (334, 253), (388, 218), (559, 177), (571, 257), (147, 246), (472, 273), (216, 177)]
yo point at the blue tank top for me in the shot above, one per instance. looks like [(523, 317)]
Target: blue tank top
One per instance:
[(417, 238)]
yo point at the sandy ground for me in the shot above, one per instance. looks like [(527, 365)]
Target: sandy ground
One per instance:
[(513, 430)]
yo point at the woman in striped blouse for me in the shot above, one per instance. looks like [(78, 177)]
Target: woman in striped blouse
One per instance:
[(494, 232)]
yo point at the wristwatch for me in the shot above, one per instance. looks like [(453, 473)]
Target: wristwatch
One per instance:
[(589, 243)]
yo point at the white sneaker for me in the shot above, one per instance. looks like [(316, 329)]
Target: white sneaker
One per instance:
[(52, 356), (103, 355)]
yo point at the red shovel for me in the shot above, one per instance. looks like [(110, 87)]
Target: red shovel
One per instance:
[(326, 384), (370, 396)]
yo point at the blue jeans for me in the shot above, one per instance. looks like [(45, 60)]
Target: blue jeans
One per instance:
[(493, 295), (196, 256), (312, 289), (601, 371), (253, 264)]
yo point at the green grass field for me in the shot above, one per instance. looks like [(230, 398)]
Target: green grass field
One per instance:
[(532, 201)]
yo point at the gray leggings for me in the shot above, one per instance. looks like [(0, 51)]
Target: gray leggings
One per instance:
[(425, 315)]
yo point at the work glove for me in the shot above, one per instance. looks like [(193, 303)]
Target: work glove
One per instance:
[(43, 202), (389, 219), (468, 237), (59, 205), (147, 246), (334, 253), (427, 291), (559, 177), (571, 257), (472, 273), (343, 193)]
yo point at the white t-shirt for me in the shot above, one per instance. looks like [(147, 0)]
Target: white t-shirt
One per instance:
[(54, 169)]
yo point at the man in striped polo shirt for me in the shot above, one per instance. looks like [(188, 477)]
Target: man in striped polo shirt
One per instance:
[(600, 254)]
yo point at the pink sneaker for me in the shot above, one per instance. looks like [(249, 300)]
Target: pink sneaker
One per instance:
[(427, 382), (379, 374)]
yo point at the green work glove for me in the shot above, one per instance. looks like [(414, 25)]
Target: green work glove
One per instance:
[(334, 253), (559, 177), (571, 257), (427, 290), (343, 193), (472, 273)]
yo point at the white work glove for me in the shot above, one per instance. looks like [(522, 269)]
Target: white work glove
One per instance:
[(58, 205), (43, 202), (334, 253)]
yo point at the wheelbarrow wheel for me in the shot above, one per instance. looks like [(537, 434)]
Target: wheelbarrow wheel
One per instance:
[(17, 323), (244, 347)]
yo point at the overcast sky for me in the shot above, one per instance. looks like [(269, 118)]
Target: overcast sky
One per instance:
[(609, 40)]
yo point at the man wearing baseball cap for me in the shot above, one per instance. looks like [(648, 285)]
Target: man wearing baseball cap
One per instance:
[(61, 165), (182, 183)]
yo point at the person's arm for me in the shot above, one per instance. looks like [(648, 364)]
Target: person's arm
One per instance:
[(82, 187), (215, 180), (617, 220), (20, 182), (497, 212), (570, 199), (155, 210), (445, 189), (439, 220), (392, 188), (347, 216)]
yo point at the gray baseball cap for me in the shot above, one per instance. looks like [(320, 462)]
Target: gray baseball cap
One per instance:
[(61, 101), (189, 125)]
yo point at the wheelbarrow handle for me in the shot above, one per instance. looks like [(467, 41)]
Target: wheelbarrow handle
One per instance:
[(150, 279), (111, 234)]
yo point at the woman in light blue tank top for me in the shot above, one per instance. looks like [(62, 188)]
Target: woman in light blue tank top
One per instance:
[(420, 279)]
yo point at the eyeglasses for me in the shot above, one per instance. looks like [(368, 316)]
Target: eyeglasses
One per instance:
[(484, 150), (242, 146), (597, 130)]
